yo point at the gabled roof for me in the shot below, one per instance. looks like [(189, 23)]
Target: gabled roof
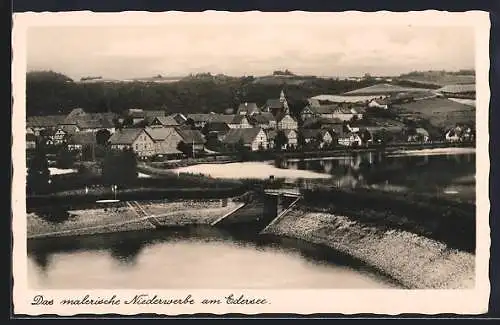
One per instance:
[(199, 117), (160, 133), (222, 118), (44, 121), (165, 120), (248, 108), (218, 127), (191, 136), (247, 135), (125, 136)]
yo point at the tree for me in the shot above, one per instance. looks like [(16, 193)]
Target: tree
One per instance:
[(185, 148), (65, 158), (119, 167), (38, 171), (280, 140), (301, 140), (128, 121), (102, 137)]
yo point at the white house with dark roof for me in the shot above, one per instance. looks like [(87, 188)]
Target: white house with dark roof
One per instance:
[(135, 138), (166, 140), (252, 138), (285, 121)]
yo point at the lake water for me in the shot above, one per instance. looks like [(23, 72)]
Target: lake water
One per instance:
[(448, 171), (191, 258)]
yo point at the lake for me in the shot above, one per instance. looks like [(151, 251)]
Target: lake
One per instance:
[(446, 171), (196, 258)]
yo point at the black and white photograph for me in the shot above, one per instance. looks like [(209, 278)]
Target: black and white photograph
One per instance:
[(250, 162)]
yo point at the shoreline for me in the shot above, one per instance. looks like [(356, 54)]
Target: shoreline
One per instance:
[(409, 259)]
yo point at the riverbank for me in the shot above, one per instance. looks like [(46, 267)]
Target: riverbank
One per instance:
[(416, 262), (234, 157)]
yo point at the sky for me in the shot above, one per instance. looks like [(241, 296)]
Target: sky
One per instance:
[(245, 48)]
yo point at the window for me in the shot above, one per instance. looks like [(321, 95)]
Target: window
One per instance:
[(136, 146)]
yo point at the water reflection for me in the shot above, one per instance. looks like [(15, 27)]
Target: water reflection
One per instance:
[(425, 172), (201, 257)]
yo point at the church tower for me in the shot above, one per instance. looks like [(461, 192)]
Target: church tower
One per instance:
[(283, 101)]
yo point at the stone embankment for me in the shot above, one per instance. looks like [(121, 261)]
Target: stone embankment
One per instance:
[(129, 217), (416, 262)]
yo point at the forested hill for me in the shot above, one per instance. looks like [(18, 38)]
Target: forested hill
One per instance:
[(49, 92)]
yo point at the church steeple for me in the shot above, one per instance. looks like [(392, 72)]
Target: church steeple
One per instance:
[(284, 101)]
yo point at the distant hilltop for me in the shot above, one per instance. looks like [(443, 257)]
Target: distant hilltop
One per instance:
[(441, 78), (431, 78)]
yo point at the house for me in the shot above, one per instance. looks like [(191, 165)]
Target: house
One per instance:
[(251, 138), (166, 140), (276, 106), (138, 114), (93, 123), (194, 139), (164, 121), (420, 135), (233, 121), (284, 121), (198, 120), (34, 124), (216, 129), (320, 137), (136, 139), (350, 139), (248, 109), (60, 136), (30, 141), (292, 136), (264, 120)]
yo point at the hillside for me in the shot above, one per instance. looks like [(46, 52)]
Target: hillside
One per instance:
[(440, 78), (49, 92)]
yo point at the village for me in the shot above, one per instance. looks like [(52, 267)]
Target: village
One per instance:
[(378, 115)]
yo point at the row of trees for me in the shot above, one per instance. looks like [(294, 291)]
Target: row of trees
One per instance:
[(49, 92)]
